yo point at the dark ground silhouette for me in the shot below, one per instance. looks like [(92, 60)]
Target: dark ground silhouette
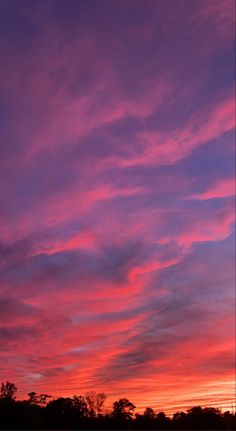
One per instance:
[(39, 411)]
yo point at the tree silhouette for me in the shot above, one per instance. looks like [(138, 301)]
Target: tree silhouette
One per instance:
[(79, 403), (123, 408), (149, 413), (8, 391), (38, 399), (95, 401), (146, 420), (208, 417), (75, 414), (65, 413), (163, 421), (33, 398)]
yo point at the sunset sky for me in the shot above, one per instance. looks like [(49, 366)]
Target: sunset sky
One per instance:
[(117, 199)]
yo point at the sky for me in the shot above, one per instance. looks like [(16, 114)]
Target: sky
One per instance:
[(117, 199)]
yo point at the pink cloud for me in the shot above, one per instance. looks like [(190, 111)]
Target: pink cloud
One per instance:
[(151, 267), (170, 147), (223, 15), (215, 229), (85, 239), (221, 189)]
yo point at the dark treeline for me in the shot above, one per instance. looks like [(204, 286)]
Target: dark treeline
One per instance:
[(40, 411)]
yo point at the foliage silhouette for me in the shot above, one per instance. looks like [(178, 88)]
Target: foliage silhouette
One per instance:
[(149, 413), (123, 409), (8, 391), (38, 399), (95, 401), (85, 413)]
